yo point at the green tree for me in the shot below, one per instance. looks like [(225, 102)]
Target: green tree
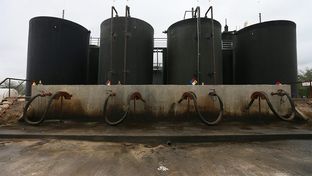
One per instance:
[(304, 76)]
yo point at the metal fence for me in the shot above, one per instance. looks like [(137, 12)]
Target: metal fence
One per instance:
[(95, 41), (14, 83), (304, 89)]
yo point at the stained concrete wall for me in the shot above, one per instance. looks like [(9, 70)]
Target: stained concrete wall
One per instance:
[(161, 100)]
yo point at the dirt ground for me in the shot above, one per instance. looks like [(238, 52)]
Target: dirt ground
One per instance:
[(304, 107), (11, 115), (78, 158)]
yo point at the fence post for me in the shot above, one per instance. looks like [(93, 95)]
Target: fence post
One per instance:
[(9, 87)]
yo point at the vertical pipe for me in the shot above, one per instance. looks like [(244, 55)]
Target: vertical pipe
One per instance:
[(259, 101), (61, 108), (188, 105), (310, 90), (165, 66), (111, 48), (198, 43), (213, 47), (226, 27), (157, 58), (157, 67), (192, 12), (213, 43), (234, 61), (260, 18), (63, 14), (9, 87), (125, 46)]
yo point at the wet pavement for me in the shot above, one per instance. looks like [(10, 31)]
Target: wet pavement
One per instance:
[(78, 158), (239, 147)]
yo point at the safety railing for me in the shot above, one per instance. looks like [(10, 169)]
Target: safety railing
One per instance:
[(95, 41), (160, 42), (304, 89), (9, 83), (227, 45)]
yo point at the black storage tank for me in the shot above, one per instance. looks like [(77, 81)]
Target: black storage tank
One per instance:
[(267, 53), (126, 51), (228, 56), (183, 64), (93, 64), (57, 52)]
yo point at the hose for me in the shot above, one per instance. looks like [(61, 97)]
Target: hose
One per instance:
[(192, 95), (264, 96), (123, 117), (42, 117), (25, 117), (287, 117), (134, 96)]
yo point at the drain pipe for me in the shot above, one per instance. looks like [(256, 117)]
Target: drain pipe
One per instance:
[(126, 45), (197, 14), (112, 39), (213, 43)]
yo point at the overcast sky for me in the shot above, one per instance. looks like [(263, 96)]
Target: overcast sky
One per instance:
[(15, 16)]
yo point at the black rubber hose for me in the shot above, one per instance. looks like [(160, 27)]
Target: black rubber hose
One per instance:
[(123, 117), (220, 115), (292, 104), (42, 117), (202, 118), (285, 117), (25, 117), (50, 102), (271, 106)]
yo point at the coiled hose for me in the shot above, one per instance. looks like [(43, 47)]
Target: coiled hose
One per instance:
[(123, 117), (192, 96), (281, 93), (25, 117), (134, 96), (287, 117), (42, 117)]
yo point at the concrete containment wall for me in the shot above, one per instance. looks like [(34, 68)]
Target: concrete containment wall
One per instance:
[(161, 100)]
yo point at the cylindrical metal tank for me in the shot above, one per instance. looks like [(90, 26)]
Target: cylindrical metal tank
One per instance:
[(57, 52), (183, 63), (126, 51), (93, 64), (267, 53), (228, 56)]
